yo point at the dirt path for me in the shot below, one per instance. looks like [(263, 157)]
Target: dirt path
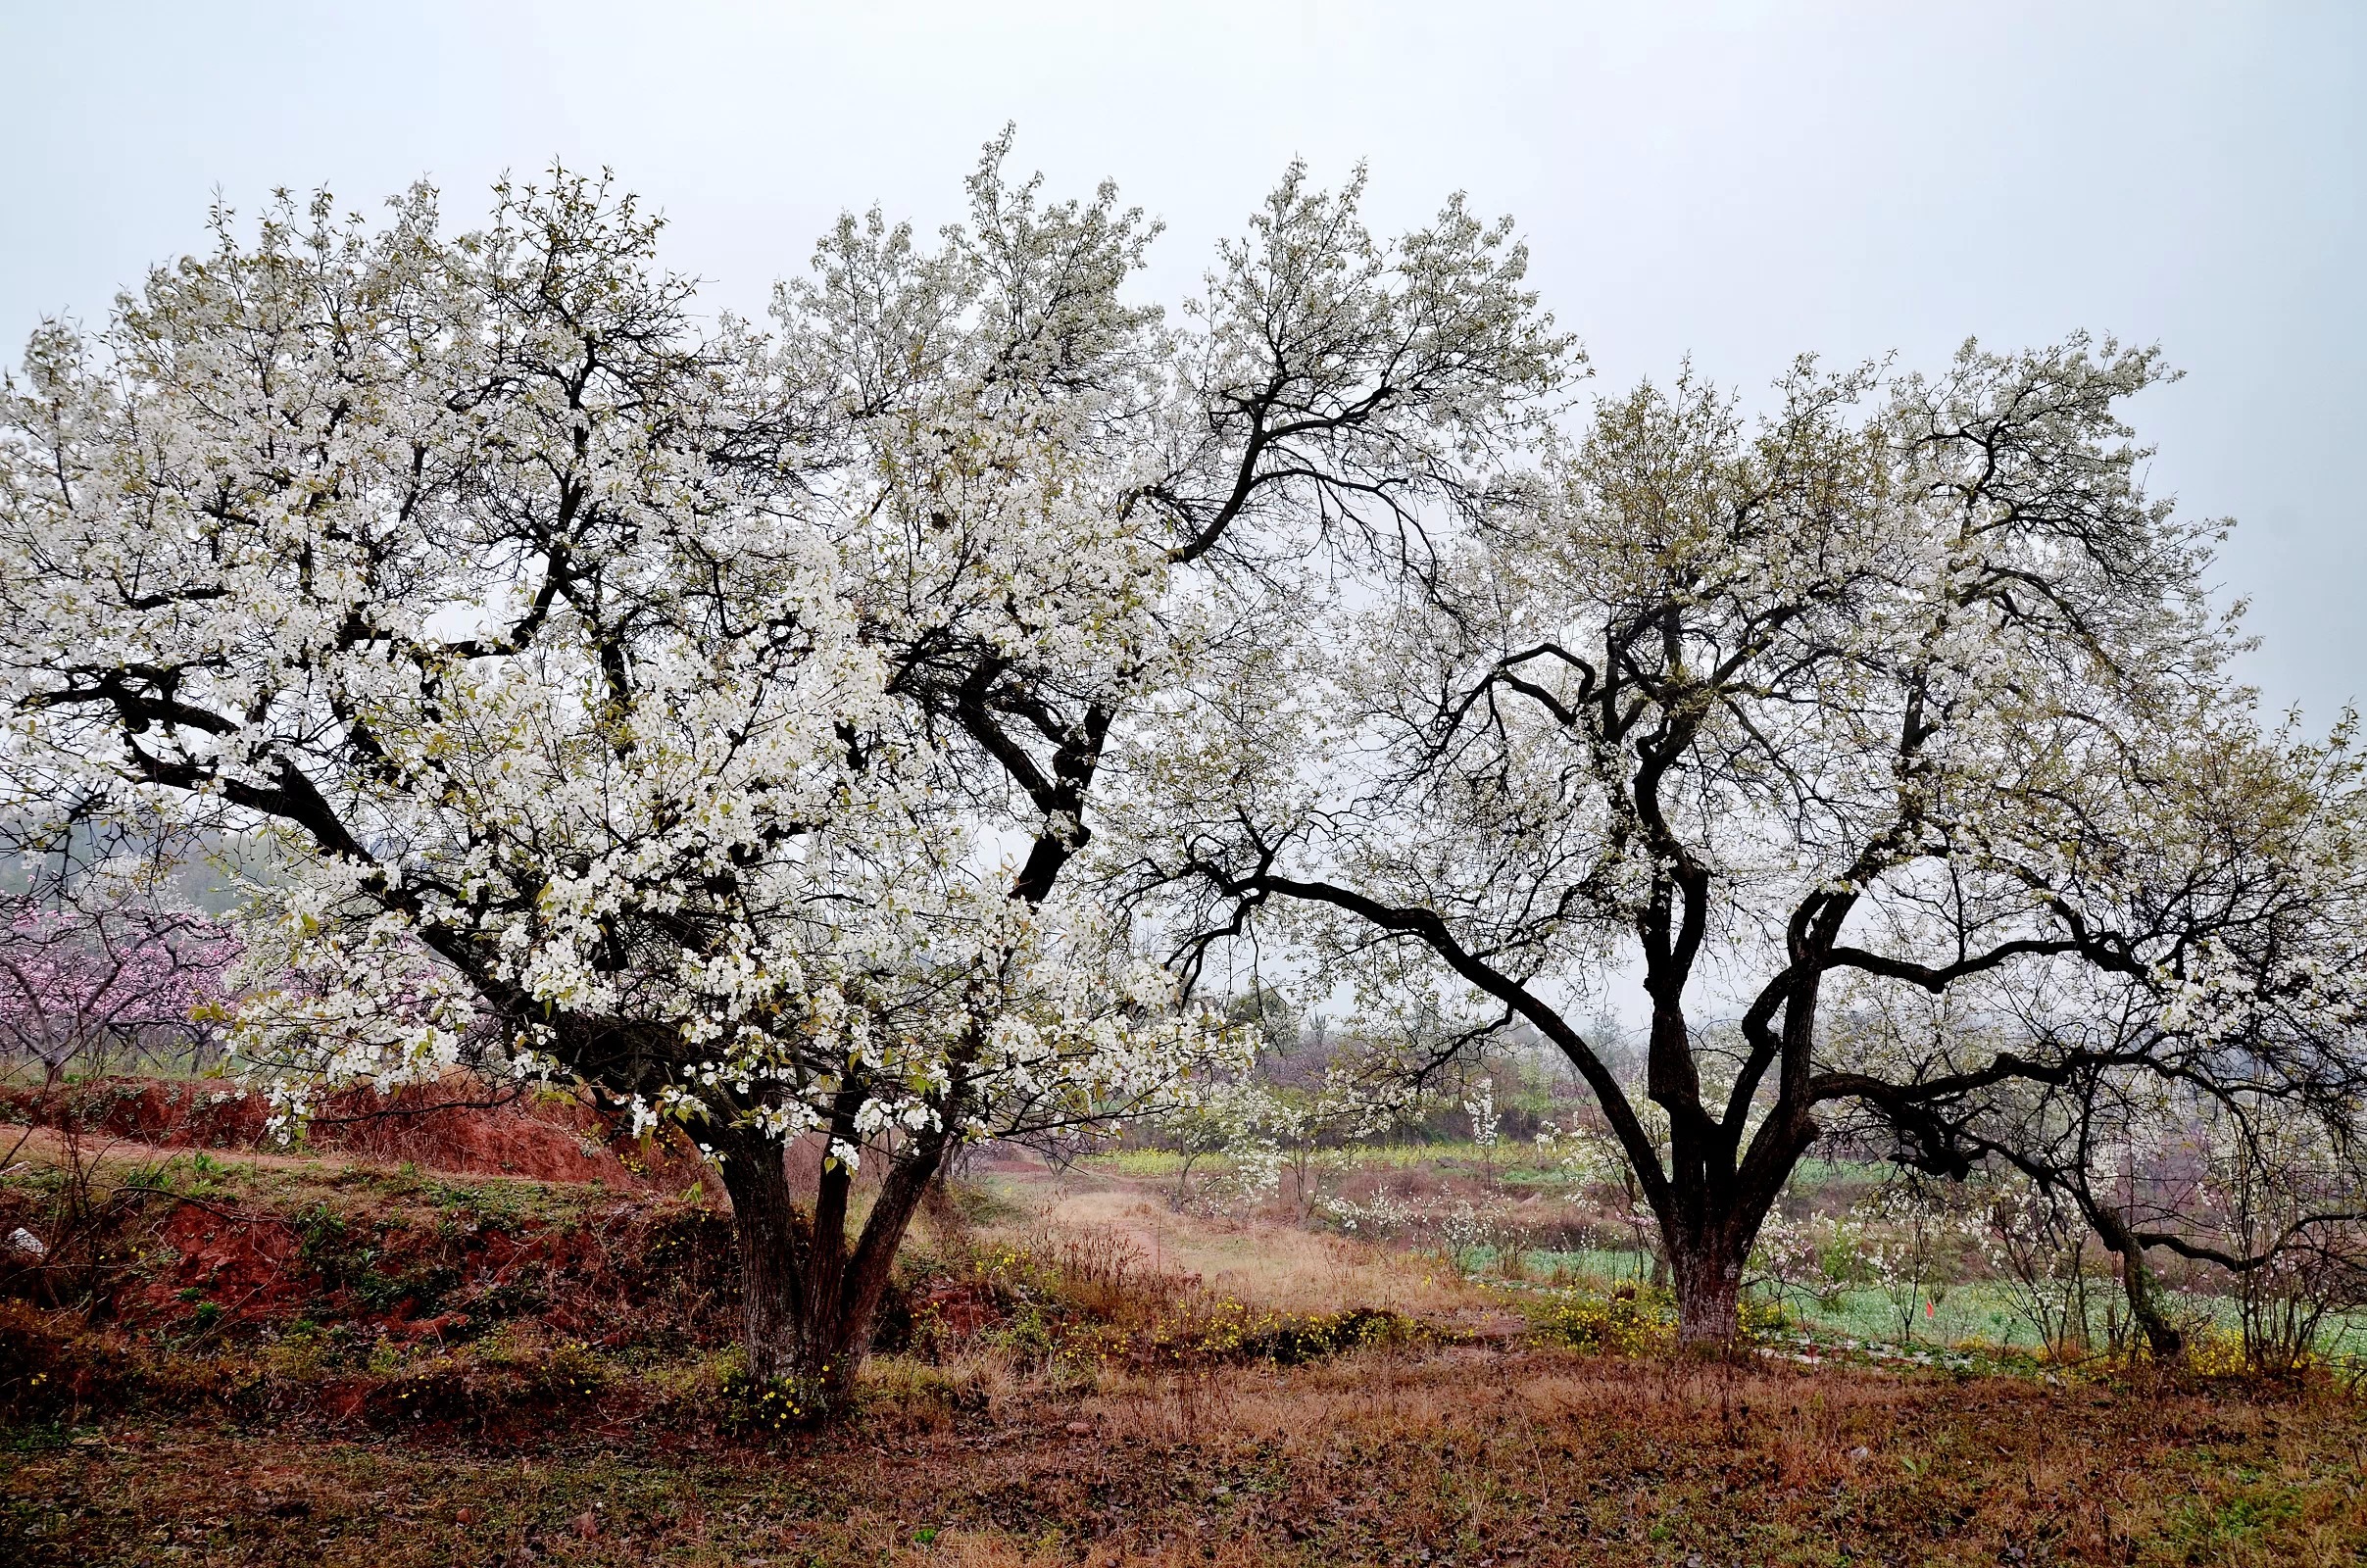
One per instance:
[(1283, 1266)]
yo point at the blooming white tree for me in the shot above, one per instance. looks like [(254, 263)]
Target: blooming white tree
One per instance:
[(1906, 1235), (466, 565), (701, 713), (2036, 1250), (1890, 742)]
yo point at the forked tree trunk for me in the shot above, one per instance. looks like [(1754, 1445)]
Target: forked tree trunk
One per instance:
[(809, 1301)]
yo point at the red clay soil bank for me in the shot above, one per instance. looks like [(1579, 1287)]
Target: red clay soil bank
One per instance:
[(543, 1136), (633, 1271)]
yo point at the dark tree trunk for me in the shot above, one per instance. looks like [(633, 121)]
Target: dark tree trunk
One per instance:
[(1709, 1289), (837, 1331), (774, 1244), (809, 1302), (2163, 1337), (1705, 1260)]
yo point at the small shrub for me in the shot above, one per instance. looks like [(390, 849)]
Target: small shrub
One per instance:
[(917, 1391), (1228, 1332), (767, 1409), (1626, 1323), (487, 1387)]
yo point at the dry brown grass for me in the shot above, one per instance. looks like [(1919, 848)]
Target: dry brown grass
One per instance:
[(1283, 1267), (1468, 1455), (1472, 1447)]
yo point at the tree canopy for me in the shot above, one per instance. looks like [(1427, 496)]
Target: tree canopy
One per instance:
[(701, 711), (804, 729), (1887, 739)]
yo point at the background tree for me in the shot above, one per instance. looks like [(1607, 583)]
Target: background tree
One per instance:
[(109, 980), (1889, 741), (2219, 1168), (2037, 1244)]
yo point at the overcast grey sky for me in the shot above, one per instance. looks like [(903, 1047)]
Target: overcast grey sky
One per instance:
[(1738, 182)]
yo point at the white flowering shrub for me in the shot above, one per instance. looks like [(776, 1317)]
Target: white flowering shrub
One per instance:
[(1319, 1127), (1224, 1132), (1466, 1232), (1911, 1243), (2035, 1244), (1788, 1259)]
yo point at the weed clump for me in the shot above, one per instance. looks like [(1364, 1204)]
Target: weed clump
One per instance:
[(1226, 1332), (49, 1366), (1076, 1303), (1627, 1322), (772, 1407)]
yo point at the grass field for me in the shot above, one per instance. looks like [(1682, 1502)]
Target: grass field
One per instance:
[(311, 1361), (1449, 1456)]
